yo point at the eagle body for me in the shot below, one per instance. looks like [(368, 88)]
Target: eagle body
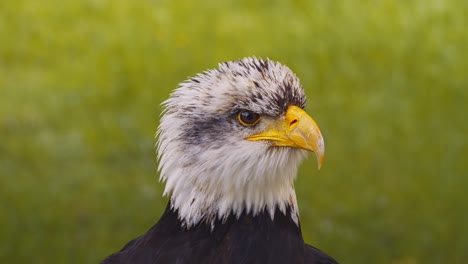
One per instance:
[(230, 142), (246, 239)]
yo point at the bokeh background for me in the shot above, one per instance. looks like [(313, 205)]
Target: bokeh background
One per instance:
[(81, 84)]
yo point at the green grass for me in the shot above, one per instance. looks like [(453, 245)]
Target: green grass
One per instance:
[(80, 88)]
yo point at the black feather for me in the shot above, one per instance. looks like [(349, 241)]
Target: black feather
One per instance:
[(249, 239)]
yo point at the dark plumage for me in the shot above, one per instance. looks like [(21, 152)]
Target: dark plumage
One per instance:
[(245, 240)]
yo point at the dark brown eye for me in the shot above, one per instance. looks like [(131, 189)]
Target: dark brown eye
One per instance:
[(247, 118)]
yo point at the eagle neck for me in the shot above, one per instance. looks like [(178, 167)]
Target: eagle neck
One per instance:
[(261, 224)]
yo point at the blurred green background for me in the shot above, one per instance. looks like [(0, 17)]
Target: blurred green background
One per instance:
[(81, 84)]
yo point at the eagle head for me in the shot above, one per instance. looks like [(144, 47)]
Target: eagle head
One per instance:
[(231, 140)]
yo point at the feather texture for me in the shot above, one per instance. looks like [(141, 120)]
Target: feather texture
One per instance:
[(210, 170)]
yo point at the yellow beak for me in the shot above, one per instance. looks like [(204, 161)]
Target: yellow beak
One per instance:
[(297, 130)]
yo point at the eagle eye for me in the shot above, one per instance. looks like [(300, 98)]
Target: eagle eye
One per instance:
[(247, 118)]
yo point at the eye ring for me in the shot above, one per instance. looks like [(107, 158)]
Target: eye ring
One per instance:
[(248, 118)]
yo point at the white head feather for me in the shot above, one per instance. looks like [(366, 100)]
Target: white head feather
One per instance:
[(210, 170)]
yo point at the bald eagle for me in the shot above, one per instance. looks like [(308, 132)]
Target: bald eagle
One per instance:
[(230, 143)]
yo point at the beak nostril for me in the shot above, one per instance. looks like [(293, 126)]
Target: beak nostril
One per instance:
[(293, 122)]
